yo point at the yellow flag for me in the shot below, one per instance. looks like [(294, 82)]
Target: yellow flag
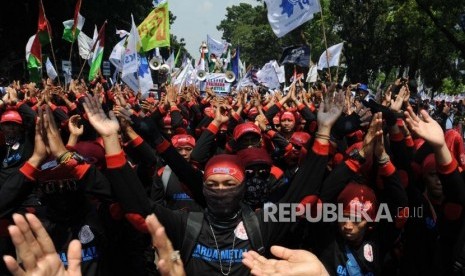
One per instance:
[(154, 31)]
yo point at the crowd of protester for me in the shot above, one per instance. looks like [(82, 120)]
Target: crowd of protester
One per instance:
[(180, 181)]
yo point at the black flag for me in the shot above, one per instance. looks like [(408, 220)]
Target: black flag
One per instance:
[(298, 55)]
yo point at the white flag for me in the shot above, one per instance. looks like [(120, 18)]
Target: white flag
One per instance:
[(312, 74), (267, 76), (122, 33), (117, 55), (85, 45), (170, 61), (279, 71), (286, 15), (216, 47), (185, 73), (51, 72), (136, 73), (131, 58), (332, 58)]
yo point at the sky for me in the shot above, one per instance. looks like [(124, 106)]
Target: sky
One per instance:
[(197, 18)]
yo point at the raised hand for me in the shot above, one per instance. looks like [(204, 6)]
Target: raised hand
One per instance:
[(329, 111), (365, 115), (41, 150), (170, 263), (403, 94), (53, 141), (74, 127), (387, 96), (221, 116), (105, 126), (425, 127), (292, 263), (35, 248), (261, 121), (374, 131)]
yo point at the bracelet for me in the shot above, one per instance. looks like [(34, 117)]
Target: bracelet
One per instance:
[(322, 136), (384, 159), (65, 157)]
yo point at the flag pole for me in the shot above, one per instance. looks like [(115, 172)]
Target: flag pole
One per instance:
[(50, 39), (71, 51), (324, 38), (337, 70), (93, 48)]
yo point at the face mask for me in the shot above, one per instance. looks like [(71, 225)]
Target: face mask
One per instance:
[(257, 191), (12, 137), (223, 203), (221, 139)]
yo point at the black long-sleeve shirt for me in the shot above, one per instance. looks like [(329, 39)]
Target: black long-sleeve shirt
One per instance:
[(204, 257)]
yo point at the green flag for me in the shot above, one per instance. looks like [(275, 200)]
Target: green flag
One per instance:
[(98, 53), (154, 31)]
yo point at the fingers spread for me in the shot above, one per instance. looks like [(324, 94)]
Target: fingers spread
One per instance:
[(43, 238), (13, 266)]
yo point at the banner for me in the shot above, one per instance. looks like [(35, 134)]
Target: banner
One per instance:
[(154, 31), (216, 47), (218, 83), (286, 15), (297, 55)]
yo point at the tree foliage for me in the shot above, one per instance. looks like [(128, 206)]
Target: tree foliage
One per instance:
[(382, 37)]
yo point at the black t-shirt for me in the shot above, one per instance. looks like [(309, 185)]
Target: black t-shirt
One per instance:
[(232, 243), (337, 262)]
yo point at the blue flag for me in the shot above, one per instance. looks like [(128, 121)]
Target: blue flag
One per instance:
[(235, 64)]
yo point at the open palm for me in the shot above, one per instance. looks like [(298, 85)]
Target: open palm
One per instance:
[(37, 252), (98, 119), (425, 127), (330, 110), (293, 263)]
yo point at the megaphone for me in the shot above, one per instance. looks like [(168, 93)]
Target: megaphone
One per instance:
[(201, 75), (165, 68), (230, 76), (155, 63)]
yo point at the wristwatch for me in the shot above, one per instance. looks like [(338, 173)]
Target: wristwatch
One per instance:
[(267, 128), (355, 154)]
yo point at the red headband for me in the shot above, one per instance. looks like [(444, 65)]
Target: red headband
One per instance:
[(224, 164)]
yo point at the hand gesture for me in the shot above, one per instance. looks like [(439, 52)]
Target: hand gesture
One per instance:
[(35, 248), (379, 149), (292, 263), (425, 127), (74, 127), (53, 137), (365, 115), (329, 111), (373, 132), (261, 121), (221, 116), (105, 126), (170, 263), (397, 104), (41, 149), (387, 96)]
